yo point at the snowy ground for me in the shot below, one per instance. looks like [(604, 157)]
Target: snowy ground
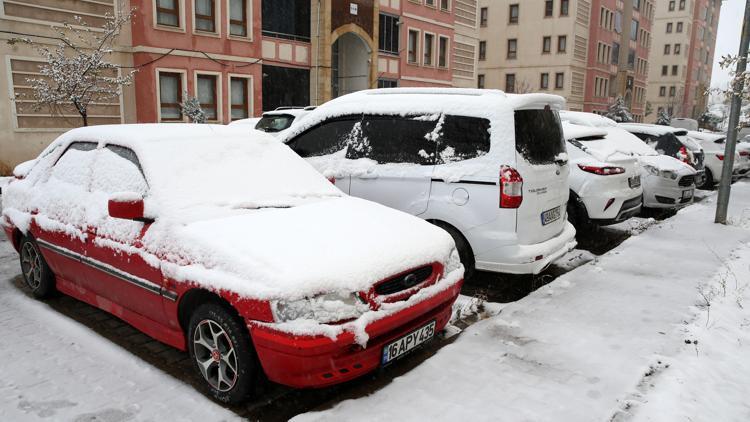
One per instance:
[(614, 339)]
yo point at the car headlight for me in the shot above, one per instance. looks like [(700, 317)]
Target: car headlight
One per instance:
[(454, 261), (667, 174), (323, 308)]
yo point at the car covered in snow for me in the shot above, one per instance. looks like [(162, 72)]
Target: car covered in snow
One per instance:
[(488, 167), (673, 142), (605, 187), (667, 182), (278, 122), (249, 122), (713, 145), (180, 231)]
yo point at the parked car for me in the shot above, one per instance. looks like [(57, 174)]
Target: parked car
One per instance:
[(250, 122), (284, 276), (673, 142), (667, 182), (713, 147), (605, 187), (490, 168), (742, 148), (278, 122), (684, 123)]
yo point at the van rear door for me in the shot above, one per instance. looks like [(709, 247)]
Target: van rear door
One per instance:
[(542, 162)]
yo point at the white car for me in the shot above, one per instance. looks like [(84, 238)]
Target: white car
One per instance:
[(490, 168), (249, 122), (667, 182), (713, 145), (673, 142), (605, 188), (684, 123), (278, 122)]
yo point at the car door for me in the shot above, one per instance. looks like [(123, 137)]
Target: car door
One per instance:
[(60, 220), (403, 151), (119, 271), (324, 146)]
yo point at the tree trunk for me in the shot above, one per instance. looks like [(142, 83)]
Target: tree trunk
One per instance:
[(85, 118)]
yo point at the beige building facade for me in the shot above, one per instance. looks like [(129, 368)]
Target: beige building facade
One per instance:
[(684, 41)]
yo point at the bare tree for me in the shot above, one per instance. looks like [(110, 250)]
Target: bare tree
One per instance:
[(76, 70)]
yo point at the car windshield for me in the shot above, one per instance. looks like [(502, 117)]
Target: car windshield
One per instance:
[(275, 123)]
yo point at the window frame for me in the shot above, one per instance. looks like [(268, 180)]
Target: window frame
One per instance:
[(482, 52), (250, 89), (484, 17), (544, 80), (446, 58), (248, 14), (562, 85), (549, 8), (509, 77), (564, 40), (567, 7), (544, 42), (417, 50), (197, 74), (215, 18), (511, 19), (481, 81), (432, 63), (180, 13), (397, 33), (511, 55), (183, 82), (447, 7)]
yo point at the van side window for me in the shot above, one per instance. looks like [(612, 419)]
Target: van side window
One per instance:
[(463, 138), (397, 139), (327, 138), (539, 137)]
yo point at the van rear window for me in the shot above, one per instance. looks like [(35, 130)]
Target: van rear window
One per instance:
[(539, 137)]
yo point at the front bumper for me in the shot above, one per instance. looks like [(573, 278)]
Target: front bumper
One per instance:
[(316, 361), (524, 259)]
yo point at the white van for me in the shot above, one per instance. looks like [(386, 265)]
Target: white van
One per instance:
[(605, 186), (490, 168)]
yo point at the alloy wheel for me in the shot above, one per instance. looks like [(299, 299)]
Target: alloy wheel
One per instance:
[(31, 265), (215, 355)]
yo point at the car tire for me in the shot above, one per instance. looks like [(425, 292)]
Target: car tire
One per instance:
[(464, 250), (217, 341), (577, 214), (708, 183), (36, 273)]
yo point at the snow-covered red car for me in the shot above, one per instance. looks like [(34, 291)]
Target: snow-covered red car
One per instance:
[(238, 252)]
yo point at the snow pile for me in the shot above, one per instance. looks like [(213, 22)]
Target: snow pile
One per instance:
[(579, 347)]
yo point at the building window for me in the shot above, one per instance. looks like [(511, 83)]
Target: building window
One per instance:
[(168, 12), (667, 48), (662, 91), (564, 6), (548, 8), (669, 27), (562, 43), (679, 26), (238, 18), (615, 53), (170, 96), (634, 30), (430, 3), (429, 42), (205, 16), (444, 5), (544, 81), (480, 81), (207, 94), (482, 50), (682, 4), (512, 48), (413, 46), (510, 83), (671, 5), (387, 83), (664, 70), (442, 51), (674, 70), (671, 91), (483, 16), (240, 97), (546, 44), (513, 13), (559, 80), (677, 49), (389, 29), (288, 19)]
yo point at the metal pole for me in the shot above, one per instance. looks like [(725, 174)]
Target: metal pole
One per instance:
[(725, 185)]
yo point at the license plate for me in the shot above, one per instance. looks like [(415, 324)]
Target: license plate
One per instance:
[(687, 194), (407, 343), (550, 216), (634, 182)]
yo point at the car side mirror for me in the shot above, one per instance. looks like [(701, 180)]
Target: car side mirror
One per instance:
[(128, 206)]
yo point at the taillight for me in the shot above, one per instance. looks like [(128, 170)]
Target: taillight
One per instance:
[(683, 155), (720, 157), (511, 187), (744, 153), (332, 180), (602, 171)]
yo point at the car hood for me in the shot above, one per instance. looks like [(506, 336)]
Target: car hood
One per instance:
[(664, 162), (338, 244)]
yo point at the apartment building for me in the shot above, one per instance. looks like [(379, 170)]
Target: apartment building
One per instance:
[(239, 57), (618, 61), (684, 41)]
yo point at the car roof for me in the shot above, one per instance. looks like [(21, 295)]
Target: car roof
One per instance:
[(288, 111), (573, 131), (587, 119), (650, 129)]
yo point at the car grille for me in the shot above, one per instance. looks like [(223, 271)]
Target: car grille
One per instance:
[(687, 181), (404, 281)]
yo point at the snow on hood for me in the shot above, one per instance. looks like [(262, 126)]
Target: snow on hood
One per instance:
[(334, 245), (664, 162), (618, 142)]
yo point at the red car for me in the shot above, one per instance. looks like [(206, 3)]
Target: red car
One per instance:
[(230, 248)]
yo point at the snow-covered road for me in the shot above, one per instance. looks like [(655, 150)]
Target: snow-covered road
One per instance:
[(588, 346), (53, 368)]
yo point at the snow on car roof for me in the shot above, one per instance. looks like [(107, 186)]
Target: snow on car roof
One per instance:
[(192, 166), (586, 119), (295, 112), (656, 130), (573, 131), (707, 136)]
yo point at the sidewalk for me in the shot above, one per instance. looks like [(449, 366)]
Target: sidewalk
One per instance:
[(588, 346)]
